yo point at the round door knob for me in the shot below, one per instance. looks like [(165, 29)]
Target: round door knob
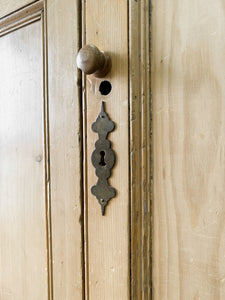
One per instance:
[(93, 61)]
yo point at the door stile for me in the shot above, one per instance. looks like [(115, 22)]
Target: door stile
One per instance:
[(65, 121), (138, 136), (107, 237), (140, 148)]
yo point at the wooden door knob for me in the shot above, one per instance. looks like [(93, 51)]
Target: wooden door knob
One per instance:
[(93, 61)]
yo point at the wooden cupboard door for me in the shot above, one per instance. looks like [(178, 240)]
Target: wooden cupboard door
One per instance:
[(54, 241), (40, 173), (188, 92)]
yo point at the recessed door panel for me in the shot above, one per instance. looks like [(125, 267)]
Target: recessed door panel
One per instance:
[(23, 247)]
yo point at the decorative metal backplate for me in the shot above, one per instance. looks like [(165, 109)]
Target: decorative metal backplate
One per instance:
[(103, 159)]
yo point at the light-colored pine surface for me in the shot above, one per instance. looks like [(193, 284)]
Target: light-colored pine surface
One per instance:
[(41, 224), (65, 149), (23, 259), (107, 237), (9, 6), (188, 92), (140, 167), (21, 18)]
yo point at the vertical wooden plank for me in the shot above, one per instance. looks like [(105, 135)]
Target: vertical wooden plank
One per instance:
[(65, 148), (23, 259), (140, 150), (107, 236), (188, 91)]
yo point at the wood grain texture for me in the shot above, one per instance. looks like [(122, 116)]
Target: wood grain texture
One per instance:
[(65, 149), (9, 6), (23, 17), (23, 259), (140, 150), (107, 237), (188, 90)]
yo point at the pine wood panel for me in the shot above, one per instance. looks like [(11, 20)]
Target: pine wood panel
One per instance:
[(65, 149), (107, 237), (188, 91), (23, 259), (9, 6)]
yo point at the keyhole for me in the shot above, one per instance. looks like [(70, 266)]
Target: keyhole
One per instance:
[(102, 161)]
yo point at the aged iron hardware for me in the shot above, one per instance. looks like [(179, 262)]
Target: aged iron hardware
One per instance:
[(93, 61), (103, 159)]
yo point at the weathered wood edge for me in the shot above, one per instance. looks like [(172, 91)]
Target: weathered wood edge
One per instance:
[(140, 148), (21, 18)]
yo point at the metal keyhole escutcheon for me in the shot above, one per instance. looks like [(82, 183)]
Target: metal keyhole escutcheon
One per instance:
[(103, 159)]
